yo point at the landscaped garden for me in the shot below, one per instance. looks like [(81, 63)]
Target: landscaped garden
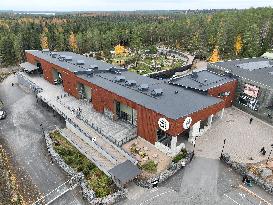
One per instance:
[(99, 182)]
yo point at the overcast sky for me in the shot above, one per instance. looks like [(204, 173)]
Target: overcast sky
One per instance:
[(110, 5)]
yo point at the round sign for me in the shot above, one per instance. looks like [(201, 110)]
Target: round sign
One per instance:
[(187, 123), (163, 124)]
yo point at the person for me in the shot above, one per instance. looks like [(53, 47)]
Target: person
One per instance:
[(250, 121), (244, 178), (263, 151), (12, 84)]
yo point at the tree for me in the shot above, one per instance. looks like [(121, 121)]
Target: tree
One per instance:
[(214, 56), (7, 52), (238, 44), (73, 42), (44, 41)]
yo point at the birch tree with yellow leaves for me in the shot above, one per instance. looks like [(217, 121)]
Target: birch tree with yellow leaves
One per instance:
[(215, 57), (238, 45), (73, 42)]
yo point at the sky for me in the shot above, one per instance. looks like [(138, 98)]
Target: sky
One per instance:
[(127, 5)]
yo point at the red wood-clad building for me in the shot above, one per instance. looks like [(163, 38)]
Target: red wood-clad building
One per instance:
[(163, 112)]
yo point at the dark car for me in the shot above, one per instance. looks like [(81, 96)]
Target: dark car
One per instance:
[(3, 114)]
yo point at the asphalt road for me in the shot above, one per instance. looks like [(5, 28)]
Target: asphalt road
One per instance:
[(203, 182), (21, 133)]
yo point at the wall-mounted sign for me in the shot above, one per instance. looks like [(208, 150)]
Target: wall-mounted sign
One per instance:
[(163, 124), (187, 123), (251, 90)]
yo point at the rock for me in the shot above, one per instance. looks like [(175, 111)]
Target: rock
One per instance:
[(265, 172)]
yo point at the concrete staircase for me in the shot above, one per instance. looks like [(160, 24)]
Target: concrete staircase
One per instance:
[(92, 154)]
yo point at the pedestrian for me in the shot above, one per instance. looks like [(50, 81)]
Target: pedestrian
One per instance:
[(263, 151), (12, 84), (250, 121), (244, 179)]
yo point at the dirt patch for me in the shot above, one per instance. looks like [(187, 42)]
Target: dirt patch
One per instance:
[(5, 72), (15, 186)]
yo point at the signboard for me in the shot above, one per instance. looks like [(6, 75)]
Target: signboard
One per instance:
[(163, 124), (187, 123), (251, 90)]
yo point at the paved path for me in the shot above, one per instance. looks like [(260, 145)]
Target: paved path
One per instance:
[(21, 133), (235, 128), (203, 182)]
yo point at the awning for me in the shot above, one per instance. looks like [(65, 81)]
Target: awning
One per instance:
[(125, 172), (28, 67)]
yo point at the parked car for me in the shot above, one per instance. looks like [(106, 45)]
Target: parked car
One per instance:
[(3, 114)]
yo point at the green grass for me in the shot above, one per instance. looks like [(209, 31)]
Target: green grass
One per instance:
[(99, 182), (150, 166), (181, 155)]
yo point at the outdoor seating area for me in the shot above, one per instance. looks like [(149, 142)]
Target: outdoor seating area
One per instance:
[(144, 152)]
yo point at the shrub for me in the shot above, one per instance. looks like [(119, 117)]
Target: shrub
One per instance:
[(181, 155), (150, 166), (99, 182)]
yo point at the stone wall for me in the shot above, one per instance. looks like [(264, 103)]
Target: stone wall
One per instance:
[(242, 169), (163, 176), (87, 193)]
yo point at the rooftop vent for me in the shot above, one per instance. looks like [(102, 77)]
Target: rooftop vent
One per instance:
[(143, 87), (194, 75), (45, 50), (94, 67), (157, 92), (119, 78), (80, 62), (53, 55), (131, 82), (68, 58)]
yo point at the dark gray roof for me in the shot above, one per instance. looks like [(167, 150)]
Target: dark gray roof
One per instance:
[(71, 65), (171, 104), (256, 70), (125, 171), (202, 80), (28, 67)]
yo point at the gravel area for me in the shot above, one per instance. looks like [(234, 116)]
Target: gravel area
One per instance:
[(243, 140)]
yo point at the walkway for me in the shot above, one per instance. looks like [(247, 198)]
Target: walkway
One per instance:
[(243, 140)]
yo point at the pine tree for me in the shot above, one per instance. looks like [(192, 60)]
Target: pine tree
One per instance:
[(7, 51)]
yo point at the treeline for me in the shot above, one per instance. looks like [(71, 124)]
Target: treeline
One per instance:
[(230, 34)]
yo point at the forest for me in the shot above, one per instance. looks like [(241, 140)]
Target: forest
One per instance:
[(232, 33)]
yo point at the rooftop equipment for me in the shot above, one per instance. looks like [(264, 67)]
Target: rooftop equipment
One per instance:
[(80, 62), (157, 92), (143, 87), (119, 78), (130, 82)]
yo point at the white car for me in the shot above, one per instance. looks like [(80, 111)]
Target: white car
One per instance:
[(3, 114)]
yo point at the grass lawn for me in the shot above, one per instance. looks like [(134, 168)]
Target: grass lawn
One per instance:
[(99, 182)]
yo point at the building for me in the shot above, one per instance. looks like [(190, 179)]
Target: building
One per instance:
[(163, 113), (254, 93)]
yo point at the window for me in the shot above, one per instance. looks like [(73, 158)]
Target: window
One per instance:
[(224, 94)]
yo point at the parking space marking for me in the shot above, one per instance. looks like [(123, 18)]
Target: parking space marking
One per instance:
[(232, 199)]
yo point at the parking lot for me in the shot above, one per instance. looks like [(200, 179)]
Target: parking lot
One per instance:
[(243, 140)]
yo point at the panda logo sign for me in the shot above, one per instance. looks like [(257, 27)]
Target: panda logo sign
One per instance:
[(187, 123), (163, 124)]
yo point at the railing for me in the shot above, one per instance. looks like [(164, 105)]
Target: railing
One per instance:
[(26, 82)]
